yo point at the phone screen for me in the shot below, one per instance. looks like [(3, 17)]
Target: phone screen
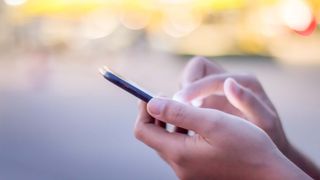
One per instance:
[(130, 87)]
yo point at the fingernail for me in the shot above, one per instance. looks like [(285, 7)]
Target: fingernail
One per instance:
[(179, 98), (156, 106), (197, 102)]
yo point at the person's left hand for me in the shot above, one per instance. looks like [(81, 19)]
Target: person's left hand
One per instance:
[(224, 146)]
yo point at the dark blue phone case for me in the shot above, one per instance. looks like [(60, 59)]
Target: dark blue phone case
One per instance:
[(127, 86)]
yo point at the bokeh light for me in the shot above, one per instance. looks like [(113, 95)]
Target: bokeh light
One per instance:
[(15, 2), (184, 27), (296, 14), (98, 24)]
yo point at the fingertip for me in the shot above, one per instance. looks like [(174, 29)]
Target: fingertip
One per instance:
[(155, 106), (164, 109)]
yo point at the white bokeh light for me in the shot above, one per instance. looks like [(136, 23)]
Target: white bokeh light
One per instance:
[(296, 14), (15, 2)]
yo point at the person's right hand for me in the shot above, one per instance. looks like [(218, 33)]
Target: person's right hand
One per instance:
[(207, 84)]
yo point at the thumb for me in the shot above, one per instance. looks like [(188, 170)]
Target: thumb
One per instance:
[(246, 101), (182, 115)]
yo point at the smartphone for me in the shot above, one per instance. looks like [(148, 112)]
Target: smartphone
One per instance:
[(125, 84)]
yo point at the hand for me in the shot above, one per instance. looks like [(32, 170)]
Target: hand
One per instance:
[(224, 146), (208, 85)]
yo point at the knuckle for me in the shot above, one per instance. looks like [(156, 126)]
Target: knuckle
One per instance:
[(195, 61), (174, 112), (138, 132), (179, 114), (198, 59)]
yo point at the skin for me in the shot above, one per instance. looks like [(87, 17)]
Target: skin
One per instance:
[(207, 85), (224, 146)]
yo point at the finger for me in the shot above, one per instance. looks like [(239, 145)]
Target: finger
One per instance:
[(197, 68), (213, 84), (179, 129), (247, 102), (144, 117), (221, 103), (199, 120), (154, 136), (158, 122)]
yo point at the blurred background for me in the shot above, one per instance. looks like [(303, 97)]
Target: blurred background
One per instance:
[(59, 119)]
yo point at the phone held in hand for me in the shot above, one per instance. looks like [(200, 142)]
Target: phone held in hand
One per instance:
[(125, 85)]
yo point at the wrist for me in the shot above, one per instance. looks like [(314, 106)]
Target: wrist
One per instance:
[(285, 148), (277, 166), (302, 162)]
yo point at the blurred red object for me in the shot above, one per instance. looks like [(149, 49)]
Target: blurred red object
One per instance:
[(310, 29)]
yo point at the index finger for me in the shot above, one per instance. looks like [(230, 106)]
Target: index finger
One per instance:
[(197, 68), (214, 84)]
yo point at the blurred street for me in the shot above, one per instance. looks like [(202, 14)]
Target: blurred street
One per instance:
[(59, 119)]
